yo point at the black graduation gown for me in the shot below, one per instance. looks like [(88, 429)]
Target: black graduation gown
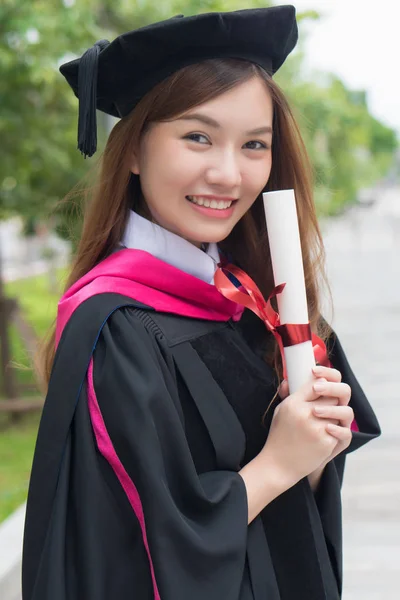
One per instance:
[(182, 402)]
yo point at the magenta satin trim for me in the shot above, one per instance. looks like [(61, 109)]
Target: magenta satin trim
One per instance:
[(354, 426), (141, 276), (106, 448)]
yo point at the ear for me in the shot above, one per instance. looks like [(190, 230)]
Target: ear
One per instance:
[(135, 164)]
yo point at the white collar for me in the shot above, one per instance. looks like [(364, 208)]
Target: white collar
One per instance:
[(142, 234)]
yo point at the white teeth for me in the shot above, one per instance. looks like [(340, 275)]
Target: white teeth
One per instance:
[(216, 204)]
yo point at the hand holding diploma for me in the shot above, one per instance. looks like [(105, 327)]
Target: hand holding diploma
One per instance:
[(287, 265)]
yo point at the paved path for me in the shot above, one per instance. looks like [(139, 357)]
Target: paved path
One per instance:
[(363, 251), (23, 257)]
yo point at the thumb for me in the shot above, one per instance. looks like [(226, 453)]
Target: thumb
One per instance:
[(284, 389)]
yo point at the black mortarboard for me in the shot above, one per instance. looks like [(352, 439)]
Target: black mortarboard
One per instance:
[(113, 77)]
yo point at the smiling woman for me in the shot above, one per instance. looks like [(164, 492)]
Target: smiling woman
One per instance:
[(159, 471)]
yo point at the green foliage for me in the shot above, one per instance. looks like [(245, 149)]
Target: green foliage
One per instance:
[(348, 147), (39, 162), (39, 306), (17, 442), (38, 303), (16, 451), (193, 7)]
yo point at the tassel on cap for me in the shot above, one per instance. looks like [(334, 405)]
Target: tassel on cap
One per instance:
[(87, 94)]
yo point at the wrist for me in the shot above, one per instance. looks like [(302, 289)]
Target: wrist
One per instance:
[(264, 481), (275, 472), (314, 478)]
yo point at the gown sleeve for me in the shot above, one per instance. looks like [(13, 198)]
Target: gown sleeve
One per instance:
[(131, 517), (328, 497)]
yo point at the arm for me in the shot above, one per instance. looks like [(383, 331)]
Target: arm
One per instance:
[(264, 482)]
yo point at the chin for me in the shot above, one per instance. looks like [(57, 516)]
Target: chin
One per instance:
[(209, 238)]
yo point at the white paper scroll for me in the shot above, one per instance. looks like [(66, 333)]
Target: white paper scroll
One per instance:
[(287, 264)]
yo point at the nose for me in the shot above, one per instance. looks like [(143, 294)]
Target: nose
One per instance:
[(225, 172)]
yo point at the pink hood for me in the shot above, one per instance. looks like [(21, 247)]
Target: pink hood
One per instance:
[(142, 277)]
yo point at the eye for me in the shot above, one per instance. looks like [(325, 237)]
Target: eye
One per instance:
[(194, 137), (262, 145)]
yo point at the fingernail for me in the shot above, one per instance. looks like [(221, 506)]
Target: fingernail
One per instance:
[(319, 410), (319, 387), (331, 427), (317, 369)]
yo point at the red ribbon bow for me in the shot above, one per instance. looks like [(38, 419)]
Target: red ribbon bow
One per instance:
[(286, 335)]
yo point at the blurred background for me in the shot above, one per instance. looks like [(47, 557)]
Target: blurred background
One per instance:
[(343, 84)]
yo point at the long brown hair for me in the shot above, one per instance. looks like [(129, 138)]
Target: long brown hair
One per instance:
[(117, 190)]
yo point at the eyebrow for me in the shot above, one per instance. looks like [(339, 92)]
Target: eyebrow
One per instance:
[(212, 123)]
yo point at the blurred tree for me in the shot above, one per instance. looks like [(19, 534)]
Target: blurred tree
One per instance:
[(349, 148), (37, 157)]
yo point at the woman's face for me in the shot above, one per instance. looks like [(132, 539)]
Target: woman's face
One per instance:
[(201, 171)]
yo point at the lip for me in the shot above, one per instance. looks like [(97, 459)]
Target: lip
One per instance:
[(215, 213)]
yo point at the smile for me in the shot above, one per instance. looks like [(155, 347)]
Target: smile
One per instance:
[(216, 204)]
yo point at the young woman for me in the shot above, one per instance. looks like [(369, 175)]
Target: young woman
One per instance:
[(163, 467)]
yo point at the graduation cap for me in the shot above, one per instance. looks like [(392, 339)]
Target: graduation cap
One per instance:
[(113, 77)]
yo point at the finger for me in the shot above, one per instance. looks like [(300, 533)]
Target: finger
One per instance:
[(342, 391), (328, 373), (284, 389), (307, 393), (343, 414), (342, 434), (325, 401)]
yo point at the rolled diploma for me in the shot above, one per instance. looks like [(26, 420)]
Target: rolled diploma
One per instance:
[(287, 264)]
